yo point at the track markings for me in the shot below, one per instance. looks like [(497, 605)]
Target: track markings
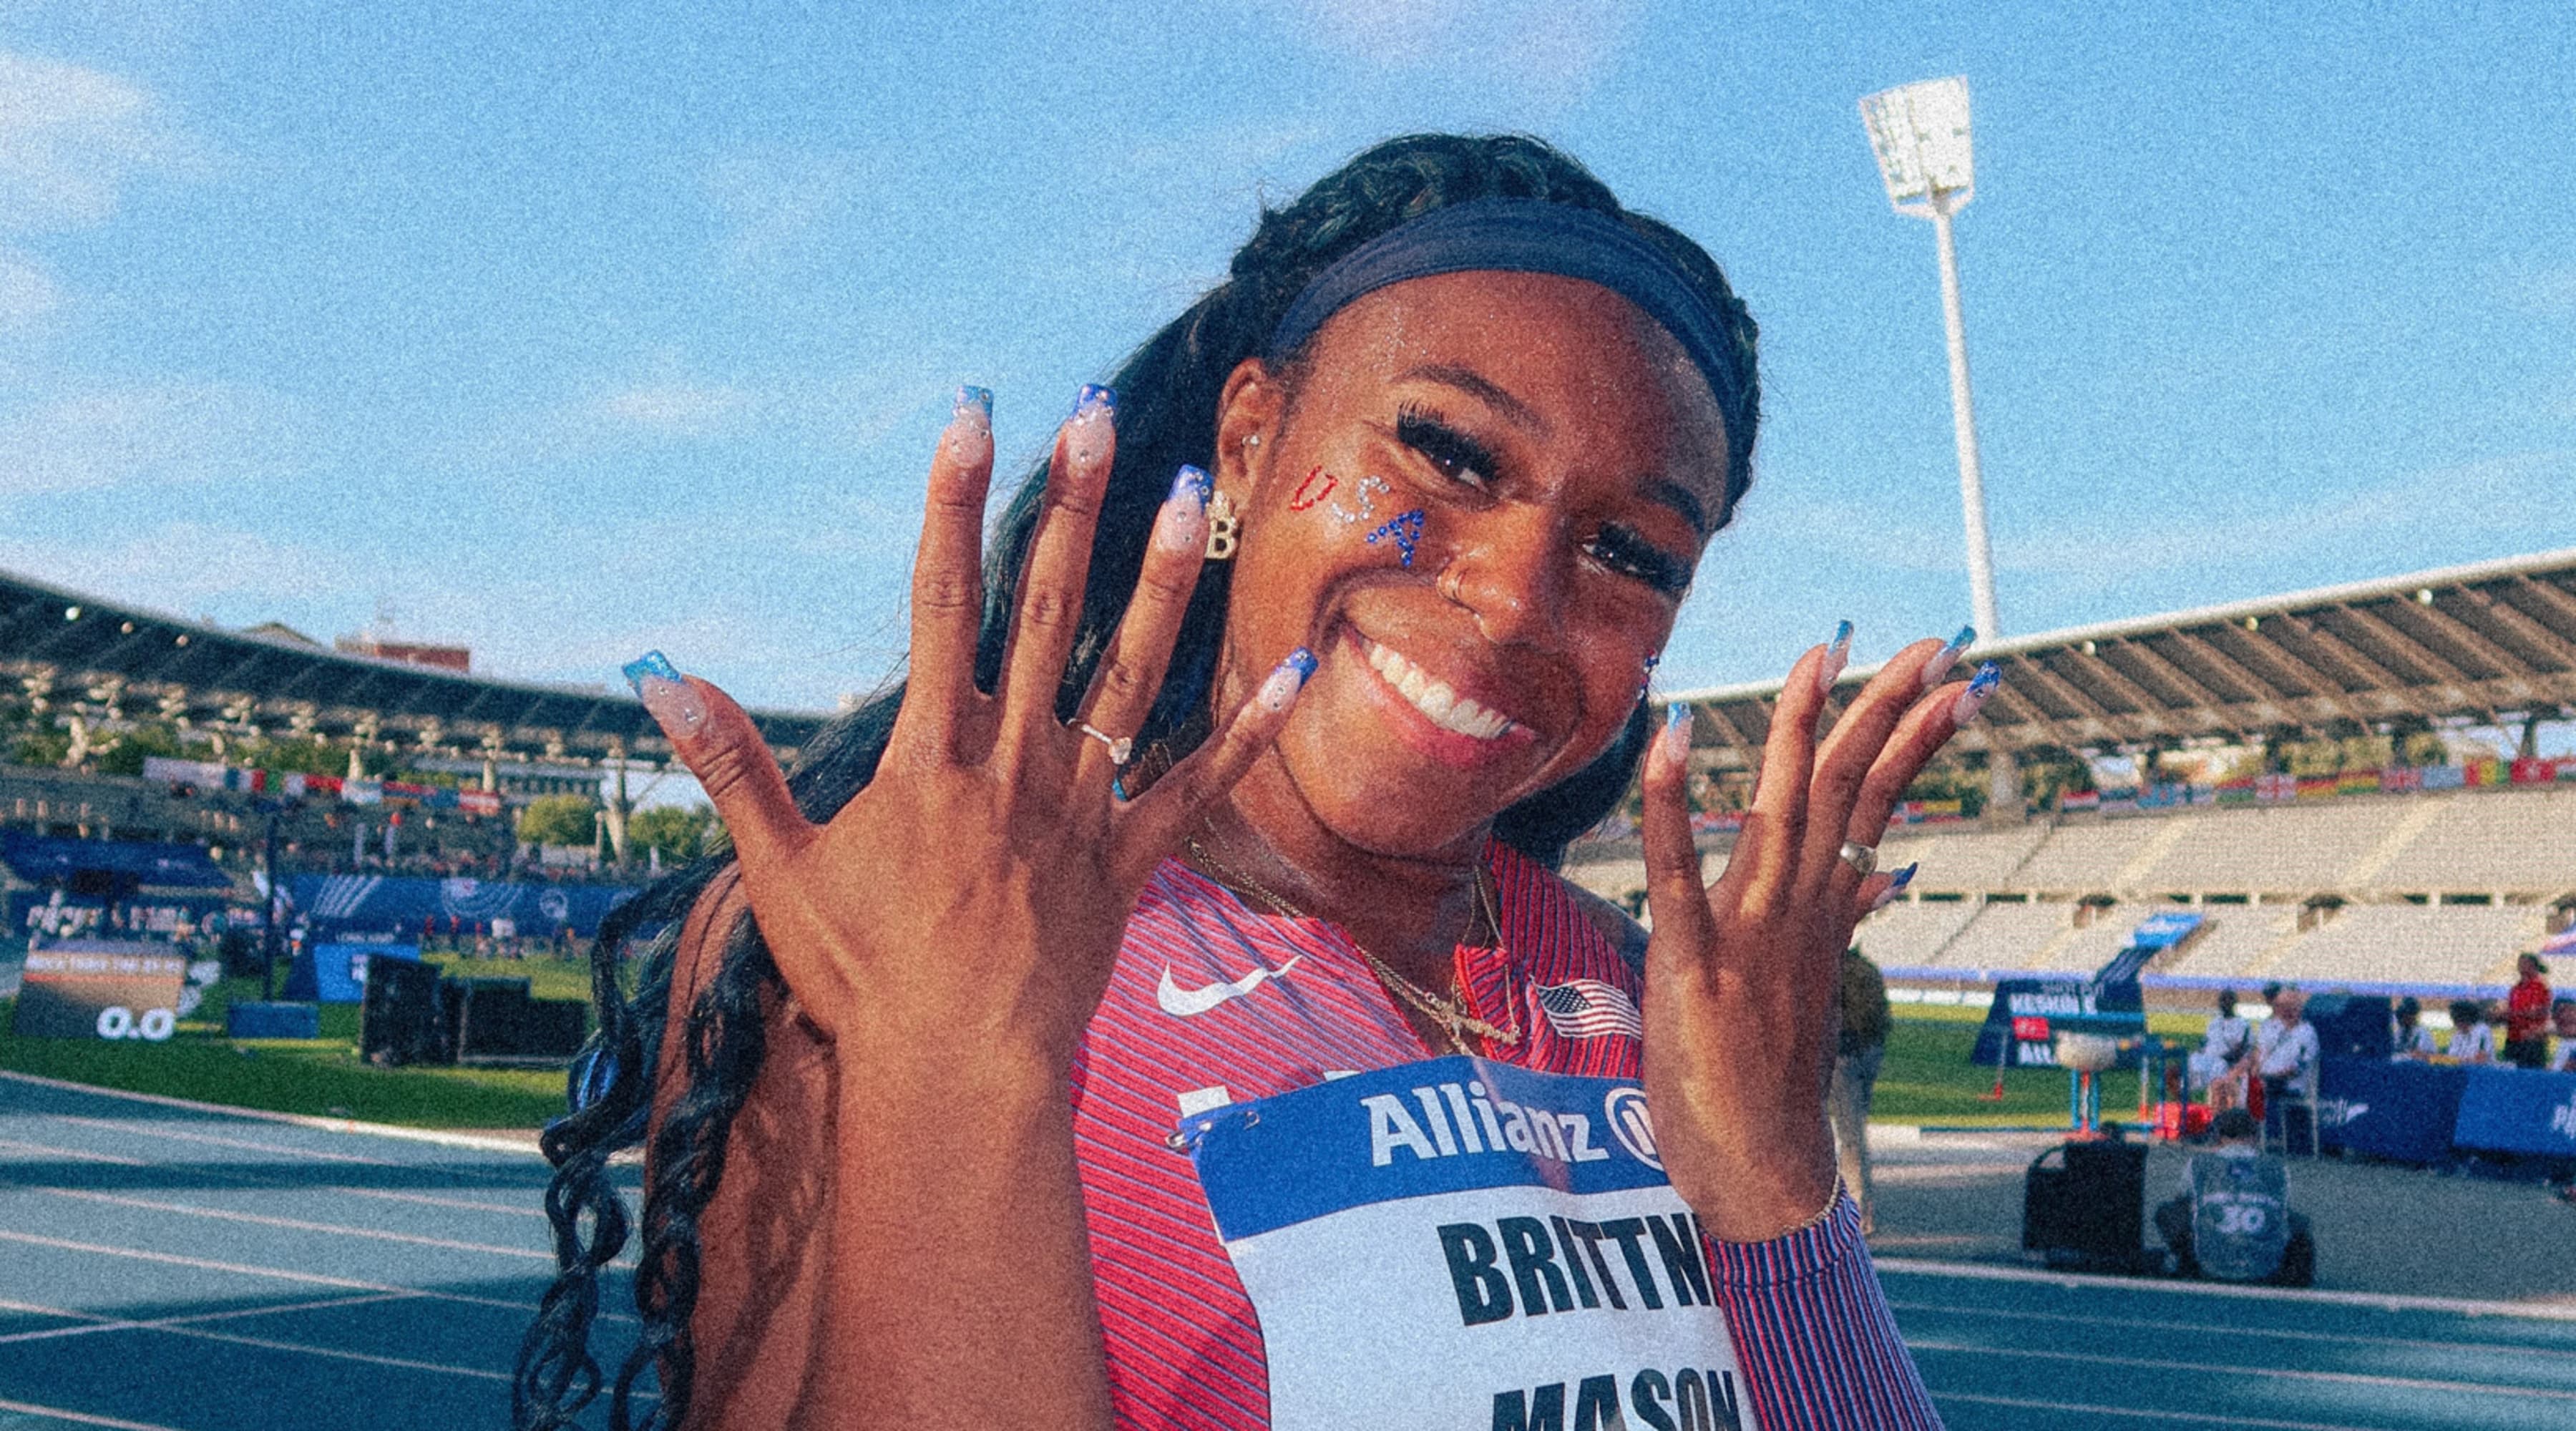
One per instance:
[(80, 1418), (291, 1224), (2208, 1368), (2260, 1423), (2284, 1333)]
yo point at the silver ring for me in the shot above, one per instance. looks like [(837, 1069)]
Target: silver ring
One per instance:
[(1120, 746), (1863, 858)]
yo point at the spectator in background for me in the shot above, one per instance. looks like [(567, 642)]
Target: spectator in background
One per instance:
[(2564, 1017), (2526, 1015), (2286, 1060), (2222, 1044), (1857, 1057), (2414, 1040), (2472, 1040)]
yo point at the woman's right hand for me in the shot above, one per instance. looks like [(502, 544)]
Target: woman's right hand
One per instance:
[(970, 900)]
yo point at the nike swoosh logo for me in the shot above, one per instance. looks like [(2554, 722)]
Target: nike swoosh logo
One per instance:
[(1182, 1003)]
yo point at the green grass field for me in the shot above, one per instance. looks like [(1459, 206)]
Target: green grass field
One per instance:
[(322, 1076), (1926, 1078)]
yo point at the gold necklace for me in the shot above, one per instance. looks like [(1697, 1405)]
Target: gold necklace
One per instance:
[(1450, 1013)]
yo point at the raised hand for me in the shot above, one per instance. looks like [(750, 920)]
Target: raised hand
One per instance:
[(970, 900), (1742, 975)]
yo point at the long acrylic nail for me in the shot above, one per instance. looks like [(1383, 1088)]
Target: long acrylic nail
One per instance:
[(1981, 687), (1837, 656), (1182, 528), (1677, 731), (1093, 425), (1288, 678), (672, 702), (974, 405), (1895, 887), (1937, 670)]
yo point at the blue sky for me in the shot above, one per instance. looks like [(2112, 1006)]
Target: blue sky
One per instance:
[(564, 334)]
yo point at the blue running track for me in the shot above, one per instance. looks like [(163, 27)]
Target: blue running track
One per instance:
[(166, 1266)]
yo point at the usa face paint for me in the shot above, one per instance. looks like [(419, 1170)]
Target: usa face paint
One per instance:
[(1406, 530)]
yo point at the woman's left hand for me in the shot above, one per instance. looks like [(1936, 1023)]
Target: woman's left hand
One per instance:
[(1742, 975)]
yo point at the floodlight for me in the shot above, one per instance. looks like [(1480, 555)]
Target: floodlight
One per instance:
[(1920, 132)]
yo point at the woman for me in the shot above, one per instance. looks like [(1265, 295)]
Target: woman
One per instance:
[(1212, 787), (2472, 1034)]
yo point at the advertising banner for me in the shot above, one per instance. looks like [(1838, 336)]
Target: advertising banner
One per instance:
[(400, 905), (2518, 1110)]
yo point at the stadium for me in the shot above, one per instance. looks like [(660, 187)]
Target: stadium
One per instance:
[(2374, 875)]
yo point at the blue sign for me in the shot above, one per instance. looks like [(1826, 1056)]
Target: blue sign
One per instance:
[(337, 973), (399, 905), (2023, 1022), (2518, 1110), (2399, 1110)]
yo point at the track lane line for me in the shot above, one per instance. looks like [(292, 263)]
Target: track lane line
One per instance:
[(2231, 1329), (315, 1278), (2262, 1423), (2380, 1301), (2204, 1368), (96, 1323), (437, 1136), (80, 1418), (466, 1204), (290, 1224)]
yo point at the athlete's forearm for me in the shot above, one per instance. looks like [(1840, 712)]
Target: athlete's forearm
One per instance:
[(960, 1289)]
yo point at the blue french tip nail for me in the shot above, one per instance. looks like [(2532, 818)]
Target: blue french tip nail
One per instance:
[(651, 663), (1967, 637), (1987, 678), (1096, 398), (1676, 714), (1903, 877), (977, 400), (1193, 483), (1303, 662), (1842, 637)]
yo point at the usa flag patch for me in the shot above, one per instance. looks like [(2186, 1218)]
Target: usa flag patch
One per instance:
[(1588, 1008)]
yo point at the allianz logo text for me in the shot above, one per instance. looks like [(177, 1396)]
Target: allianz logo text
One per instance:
[(1458, 1119)]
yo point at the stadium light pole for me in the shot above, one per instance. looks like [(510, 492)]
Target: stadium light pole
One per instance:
[(1920, 134)]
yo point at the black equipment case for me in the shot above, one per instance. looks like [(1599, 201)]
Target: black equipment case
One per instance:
[(2089, 1208)]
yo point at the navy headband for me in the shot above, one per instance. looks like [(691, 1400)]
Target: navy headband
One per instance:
[(1528, 236)]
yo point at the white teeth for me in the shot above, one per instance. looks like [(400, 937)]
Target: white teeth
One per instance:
[(1435, 699)]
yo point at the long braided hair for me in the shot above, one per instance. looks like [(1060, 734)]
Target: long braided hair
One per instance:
[(1168, 395)]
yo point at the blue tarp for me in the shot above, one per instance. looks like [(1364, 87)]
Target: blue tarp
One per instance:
[(49, 859), (397, 905)]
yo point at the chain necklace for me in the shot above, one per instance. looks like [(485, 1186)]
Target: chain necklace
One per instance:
[(1449, 1012)]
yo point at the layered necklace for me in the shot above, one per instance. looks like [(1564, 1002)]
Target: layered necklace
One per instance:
[(1448, 1011)]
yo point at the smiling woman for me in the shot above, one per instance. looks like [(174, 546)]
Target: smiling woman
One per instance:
[(1238, 768)]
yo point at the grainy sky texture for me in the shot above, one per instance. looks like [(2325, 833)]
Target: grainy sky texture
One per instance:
[(564, 331)]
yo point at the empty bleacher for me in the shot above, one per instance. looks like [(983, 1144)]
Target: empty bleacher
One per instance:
[(2408, 944), (2518, 842), (1909, 934)]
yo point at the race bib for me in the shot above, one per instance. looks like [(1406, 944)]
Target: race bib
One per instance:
[(1468, 1245)]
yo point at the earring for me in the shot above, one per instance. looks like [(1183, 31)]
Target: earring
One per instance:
[(1223, 528), (1254, 440)]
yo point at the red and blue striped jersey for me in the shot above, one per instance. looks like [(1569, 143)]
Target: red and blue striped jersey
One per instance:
[(1215, 1001)]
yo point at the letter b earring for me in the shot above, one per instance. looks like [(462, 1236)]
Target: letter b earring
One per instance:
[(1224, 528)]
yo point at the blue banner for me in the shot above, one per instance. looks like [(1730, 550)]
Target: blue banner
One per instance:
[(2518, 1110), (2401, 1110), (399, 905), (2023, 1022)]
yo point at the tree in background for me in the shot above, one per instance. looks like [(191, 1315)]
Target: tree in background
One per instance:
[(560, 820), (680, 834)]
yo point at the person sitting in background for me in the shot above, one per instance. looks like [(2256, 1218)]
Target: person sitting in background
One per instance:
[(2563, 1017), (2222, 1043), (2414, 1038), (2526, 1015), (2232, 1220), (2472, 1039), (2285, 1057)]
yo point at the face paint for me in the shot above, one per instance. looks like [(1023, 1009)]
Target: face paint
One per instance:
[(1407, 531), (1318, 485), (1368, 489)]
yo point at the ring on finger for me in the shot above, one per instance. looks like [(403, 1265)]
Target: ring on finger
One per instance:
[(1120, 746), (1863, 858)]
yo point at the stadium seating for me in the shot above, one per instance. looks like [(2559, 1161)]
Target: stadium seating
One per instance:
[(2408, 944), (2520, 842), (1908, 934)]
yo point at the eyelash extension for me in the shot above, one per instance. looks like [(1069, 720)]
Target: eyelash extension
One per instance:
[(1458, 456), (1628, 554)]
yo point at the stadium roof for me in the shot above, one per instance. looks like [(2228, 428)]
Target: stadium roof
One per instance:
[(2460, 642), (108, 659)]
